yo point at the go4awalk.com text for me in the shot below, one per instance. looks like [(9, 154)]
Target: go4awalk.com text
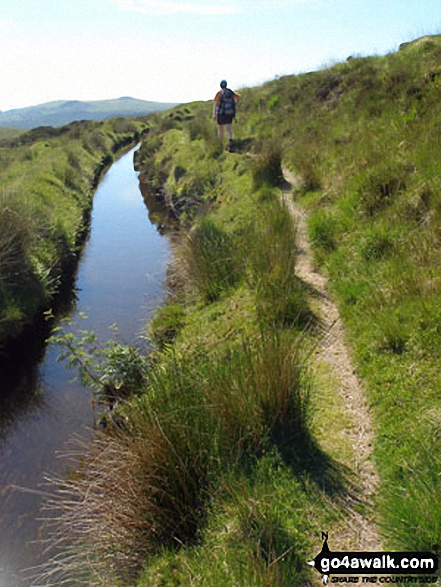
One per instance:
[(411, 567)]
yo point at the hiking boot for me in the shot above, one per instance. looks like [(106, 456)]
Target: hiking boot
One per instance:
[(230, 145)]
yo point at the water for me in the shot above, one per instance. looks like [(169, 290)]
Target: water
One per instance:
[(120, 280)]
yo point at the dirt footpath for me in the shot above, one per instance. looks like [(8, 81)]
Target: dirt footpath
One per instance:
[(361, 533)]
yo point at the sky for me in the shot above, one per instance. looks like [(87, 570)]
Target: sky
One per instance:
[(179, 50)]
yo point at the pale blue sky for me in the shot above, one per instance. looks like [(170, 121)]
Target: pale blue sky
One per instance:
[(179, 50)]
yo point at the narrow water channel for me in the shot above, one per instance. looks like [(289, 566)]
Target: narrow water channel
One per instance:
[(120, 280)]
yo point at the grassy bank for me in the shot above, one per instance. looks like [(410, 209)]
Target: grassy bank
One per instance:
[(224, 473), (47, 180), (362, 138), (365, 145), (221, 478)]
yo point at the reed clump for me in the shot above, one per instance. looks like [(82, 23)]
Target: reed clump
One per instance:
[(148, 481), (271, 257), (211, 263)]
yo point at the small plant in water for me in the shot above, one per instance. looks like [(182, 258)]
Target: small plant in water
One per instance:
[(113, 371)]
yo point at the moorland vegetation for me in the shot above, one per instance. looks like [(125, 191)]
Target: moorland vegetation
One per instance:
[(230, 456), (47, 180)]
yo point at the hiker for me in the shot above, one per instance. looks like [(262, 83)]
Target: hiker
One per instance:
[(224, 111)]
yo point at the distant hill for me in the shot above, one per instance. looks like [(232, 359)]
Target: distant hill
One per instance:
[(62, 112)]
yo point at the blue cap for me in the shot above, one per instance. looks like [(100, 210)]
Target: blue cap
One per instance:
[(223, 84)]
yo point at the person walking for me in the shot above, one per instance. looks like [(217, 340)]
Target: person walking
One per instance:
[(224, 111)]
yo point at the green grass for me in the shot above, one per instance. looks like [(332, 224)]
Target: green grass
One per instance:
[(366, 152), (256, 535), (9, 133), (229, 468), (362, 137), (185, 447), (222, 431), (47, 180)]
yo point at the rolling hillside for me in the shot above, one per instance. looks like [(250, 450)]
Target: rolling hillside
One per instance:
[(63, 112), (361, 139), (234, 443)]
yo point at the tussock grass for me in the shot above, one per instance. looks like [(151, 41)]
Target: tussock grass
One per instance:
[(267, 164), (20, 290), (212, 265), (15, 240), (363, 138), (148, 482), (257, 535), (261, 253), (281, 299)]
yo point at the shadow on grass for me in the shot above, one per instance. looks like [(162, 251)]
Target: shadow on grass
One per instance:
[(309, 463), (242, 145)]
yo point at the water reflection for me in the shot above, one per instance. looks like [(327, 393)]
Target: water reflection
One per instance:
[(20, 388), (120, 279), (162, 217)]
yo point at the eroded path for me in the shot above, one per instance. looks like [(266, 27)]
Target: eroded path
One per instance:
[(360, 532)]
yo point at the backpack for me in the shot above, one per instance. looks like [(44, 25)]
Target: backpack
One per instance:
[(227, 103)]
